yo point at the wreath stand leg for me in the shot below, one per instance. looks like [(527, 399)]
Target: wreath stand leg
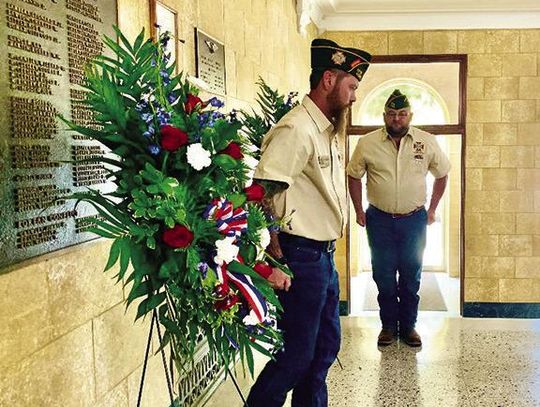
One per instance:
[(245, 404), (146, 356), (339, 362)]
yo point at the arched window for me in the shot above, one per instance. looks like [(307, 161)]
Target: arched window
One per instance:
[(426, 103)]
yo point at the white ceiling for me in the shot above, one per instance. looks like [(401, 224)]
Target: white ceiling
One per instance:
[(368, 15)]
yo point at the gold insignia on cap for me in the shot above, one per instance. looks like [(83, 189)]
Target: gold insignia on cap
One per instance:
[(338, 57), (359, 74)]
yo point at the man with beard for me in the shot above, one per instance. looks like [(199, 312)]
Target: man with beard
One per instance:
[(396, 160), (301, 170)]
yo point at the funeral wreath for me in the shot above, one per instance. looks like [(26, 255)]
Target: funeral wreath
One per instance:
[(188, 232)]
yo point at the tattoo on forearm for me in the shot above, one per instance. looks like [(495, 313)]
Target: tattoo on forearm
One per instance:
[(272, 188)]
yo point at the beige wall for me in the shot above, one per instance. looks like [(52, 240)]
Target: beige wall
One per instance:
[(502, 214), (64, 337)]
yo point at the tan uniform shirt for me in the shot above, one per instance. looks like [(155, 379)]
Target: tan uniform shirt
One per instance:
[(302, 151), (396, 179)]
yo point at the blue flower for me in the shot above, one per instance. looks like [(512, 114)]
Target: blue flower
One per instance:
[(217, 115), (203, 119), (154, 149), (139, 107), (163, 116), (147, 117), (216, 102), (172, 98), (150, 132), (203, 268)]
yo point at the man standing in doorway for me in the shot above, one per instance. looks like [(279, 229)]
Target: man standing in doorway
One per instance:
[(396, 160), (301, 171)]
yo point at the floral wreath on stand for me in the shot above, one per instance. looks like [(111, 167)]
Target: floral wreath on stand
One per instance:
[(187, 226)]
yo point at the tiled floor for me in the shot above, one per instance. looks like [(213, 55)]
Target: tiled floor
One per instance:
[(449, 289), (463, 362)]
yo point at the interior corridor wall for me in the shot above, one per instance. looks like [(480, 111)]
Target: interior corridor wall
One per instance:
[(502, 149)]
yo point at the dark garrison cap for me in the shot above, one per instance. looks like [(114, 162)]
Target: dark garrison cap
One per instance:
[(326, 54), (397, 100)]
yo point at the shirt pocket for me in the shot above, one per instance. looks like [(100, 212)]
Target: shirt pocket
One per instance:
[(418, 162)]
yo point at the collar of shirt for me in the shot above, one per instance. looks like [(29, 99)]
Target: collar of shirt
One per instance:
[(386, 136), (318, 117)]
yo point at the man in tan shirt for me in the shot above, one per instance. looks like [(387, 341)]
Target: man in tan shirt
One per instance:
[(301, 171), (396, 160)]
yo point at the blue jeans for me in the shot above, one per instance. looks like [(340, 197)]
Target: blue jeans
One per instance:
[(397, 248), (311, 330)]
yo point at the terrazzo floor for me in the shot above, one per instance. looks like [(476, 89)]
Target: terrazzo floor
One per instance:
[(462, 363)]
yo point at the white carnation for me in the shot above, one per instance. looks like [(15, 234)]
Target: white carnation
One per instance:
[(227, 251), (251, 319), (198, 157)]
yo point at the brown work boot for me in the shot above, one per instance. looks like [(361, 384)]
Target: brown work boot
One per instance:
[(412, 338), (386, 337)]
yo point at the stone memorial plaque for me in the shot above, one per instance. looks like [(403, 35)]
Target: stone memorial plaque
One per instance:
[(45, 46), (210, 62)]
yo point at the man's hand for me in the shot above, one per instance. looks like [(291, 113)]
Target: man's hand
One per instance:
[(361, 218), (279, 280), (431, 217)]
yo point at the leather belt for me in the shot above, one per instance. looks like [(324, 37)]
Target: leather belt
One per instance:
[(400, 215), (324, 246)]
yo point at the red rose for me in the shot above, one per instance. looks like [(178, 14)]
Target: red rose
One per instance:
[(192, 103), (263, 269), (233, 150), (172, 138), (227, 302), (178, 237), (255, 192)]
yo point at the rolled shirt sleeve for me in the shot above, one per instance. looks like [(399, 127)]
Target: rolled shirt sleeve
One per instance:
[(357, 164), (439, 166)]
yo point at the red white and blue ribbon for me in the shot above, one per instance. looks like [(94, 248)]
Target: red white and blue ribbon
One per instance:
[(244, 283), (256, 301), (229, 221)]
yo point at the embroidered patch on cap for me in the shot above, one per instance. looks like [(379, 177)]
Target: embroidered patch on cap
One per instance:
[(338, 57)]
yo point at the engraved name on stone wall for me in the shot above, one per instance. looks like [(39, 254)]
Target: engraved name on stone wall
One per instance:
[(45, 46)]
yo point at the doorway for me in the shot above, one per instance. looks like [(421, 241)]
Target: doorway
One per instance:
[(435, 86)]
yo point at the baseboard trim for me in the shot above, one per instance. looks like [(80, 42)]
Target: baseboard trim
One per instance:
[(344, 308), (501, 310)]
